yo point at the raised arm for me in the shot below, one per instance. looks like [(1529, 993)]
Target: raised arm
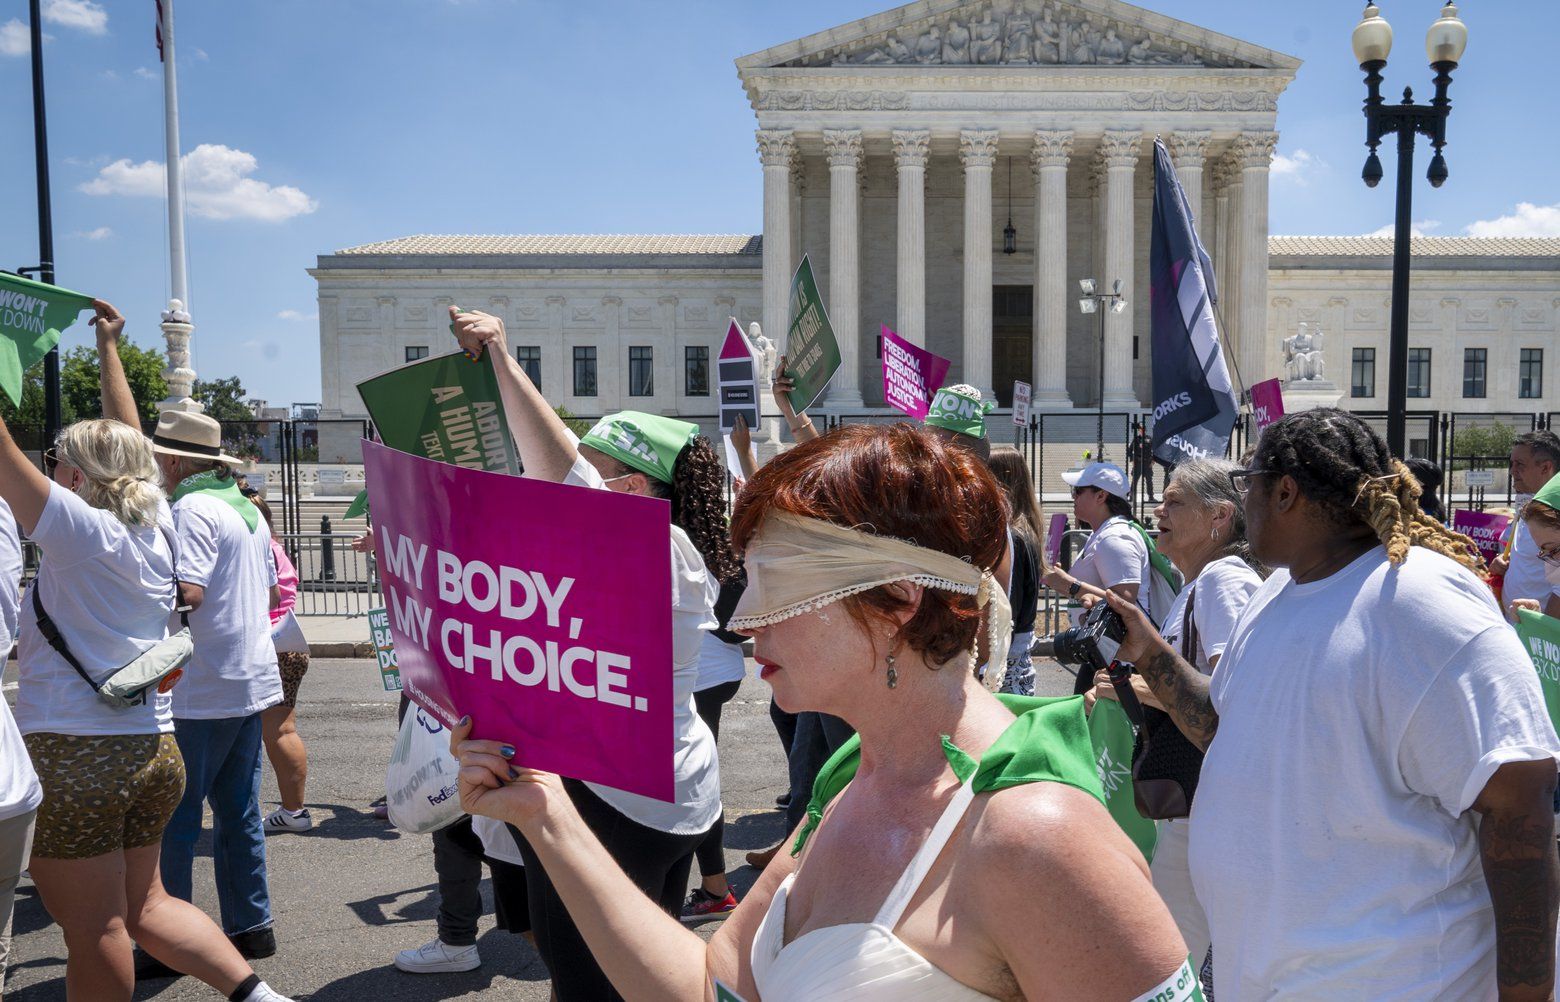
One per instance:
[(118, 402), (545, 446), (24, 488), (742, 443), (1181, 688), (800, 424)]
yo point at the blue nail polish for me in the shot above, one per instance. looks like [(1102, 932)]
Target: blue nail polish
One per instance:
[(464, 721), (508, 751), (514, 773)]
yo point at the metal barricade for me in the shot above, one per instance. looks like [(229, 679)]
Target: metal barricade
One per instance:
[(333, 578)]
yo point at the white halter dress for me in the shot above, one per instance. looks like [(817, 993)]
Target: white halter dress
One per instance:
[(860, 961)]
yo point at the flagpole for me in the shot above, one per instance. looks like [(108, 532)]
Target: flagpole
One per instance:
[(52, 418), (177, 327)]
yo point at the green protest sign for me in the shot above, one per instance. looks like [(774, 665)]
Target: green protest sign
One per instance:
[(444, 408), (812, 355), (31, 317), (1541, 636), (384, 649), (1112, 735), (358, 507)]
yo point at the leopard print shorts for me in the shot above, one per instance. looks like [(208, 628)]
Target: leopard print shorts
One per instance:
[(292, 667), (103, 793)]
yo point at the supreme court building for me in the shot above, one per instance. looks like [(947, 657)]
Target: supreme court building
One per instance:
[(895, 151)]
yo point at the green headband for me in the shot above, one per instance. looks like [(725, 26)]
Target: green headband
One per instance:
[(958, 412), (648, 443), (1549, 494)]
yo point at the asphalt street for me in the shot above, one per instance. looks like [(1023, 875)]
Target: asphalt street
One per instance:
[(349, 894)]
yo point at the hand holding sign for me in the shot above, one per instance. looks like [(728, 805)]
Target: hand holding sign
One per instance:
[(781, 387), (108, 322), (492, 787), (475, 331)]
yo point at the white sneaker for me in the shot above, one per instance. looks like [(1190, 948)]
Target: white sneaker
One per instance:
[(283, 820), (438, 957), (265, 993)]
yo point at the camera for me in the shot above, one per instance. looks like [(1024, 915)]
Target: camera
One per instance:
[(1090, 646)]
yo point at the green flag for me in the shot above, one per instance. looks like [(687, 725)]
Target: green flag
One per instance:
[(444, 408), (1112, 734), (31, 317), (1541, 636), (812, 355), (358, 507)]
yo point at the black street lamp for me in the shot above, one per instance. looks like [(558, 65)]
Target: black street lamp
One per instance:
[(1444, 44), (1094, 301)]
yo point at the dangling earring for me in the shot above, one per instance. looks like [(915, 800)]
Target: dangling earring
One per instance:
[(1213, 533), (893, 673)]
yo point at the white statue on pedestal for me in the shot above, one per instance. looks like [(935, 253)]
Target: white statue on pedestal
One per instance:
[(1303, 359), (766, 354)]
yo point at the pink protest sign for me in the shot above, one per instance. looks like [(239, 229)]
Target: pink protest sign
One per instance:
[(911, 375), (1267, 402), (542, 610), (1484, 529), (1053, 539)]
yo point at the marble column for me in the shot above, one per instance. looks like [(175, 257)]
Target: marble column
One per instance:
[(776, 149), (843, 147), (977, 151), (1189, 150), (1253, 152), (1049, 368), (910, 148), (1119, 153), (1226, 261)]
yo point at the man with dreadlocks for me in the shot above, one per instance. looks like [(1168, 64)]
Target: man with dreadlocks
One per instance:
[(1375, 818)]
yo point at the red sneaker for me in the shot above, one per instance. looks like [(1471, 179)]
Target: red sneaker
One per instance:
[(703, 905)]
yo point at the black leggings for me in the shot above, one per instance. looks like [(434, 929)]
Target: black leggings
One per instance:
[(657, 862), (707, 702)]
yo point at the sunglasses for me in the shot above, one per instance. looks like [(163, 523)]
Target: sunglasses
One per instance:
[(1241, 479), (1550, 554), (51, 460)]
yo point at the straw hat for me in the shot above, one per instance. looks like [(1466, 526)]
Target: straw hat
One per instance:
[(181, 433)]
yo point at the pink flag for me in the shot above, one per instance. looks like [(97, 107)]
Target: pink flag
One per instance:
[(1484, 529), (1053, 539), (1267, 402), (911, 375), (540, 609)]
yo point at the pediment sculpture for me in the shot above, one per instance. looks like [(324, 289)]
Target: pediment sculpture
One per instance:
[(1303, 361), (1018, 33)]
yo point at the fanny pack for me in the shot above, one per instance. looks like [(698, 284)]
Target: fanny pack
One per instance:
[(1165, 762), (159, 667)]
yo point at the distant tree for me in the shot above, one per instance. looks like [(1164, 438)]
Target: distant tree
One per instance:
[(79, 394), (223, 399), (1482, 446)]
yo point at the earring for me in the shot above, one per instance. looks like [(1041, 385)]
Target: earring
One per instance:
[(1213, 533), (893, 673)]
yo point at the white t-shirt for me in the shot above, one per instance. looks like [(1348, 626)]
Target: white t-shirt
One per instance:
[(719, 663), (1359, 718), (108, 587), (1115, 555), (233, 672), (1223, 589), (1526, 577), (697, 770), (19, 789)]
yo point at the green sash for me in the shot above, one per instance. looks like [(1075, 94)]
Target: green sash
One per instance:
[(1049, 742), (225, 491)]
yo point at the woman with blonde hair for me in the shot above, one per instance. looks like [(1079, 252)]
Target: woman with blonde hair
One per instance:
[(111, 774)]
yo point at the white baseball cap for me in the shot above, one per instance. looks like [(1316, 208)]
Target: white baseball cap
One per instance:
[(1108, 477)]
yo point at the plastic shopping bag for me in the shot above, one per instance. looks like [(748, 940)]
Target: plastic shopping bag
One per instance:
[(288, 637), (420, 787)]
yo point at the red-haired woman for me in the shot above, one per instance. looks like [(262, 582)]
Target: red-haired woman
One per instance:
[(961, 849)]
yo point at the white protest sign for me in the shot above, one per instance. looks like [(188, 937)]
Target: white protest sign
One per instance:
[(1020, 402)]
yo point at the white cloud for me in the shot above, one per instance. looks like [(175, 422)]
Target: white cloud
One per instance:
[(83, 15), (201, 56), (297, 316), (217, 185), (101, 233), (1417, 228), (14, 39), (1528, 220), (1297, 166), (146, 74)]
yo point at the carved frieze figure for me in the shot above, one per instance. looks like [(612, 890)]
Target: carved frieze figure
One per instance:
[(956, 44), (1019, 41), (1188, 57), (1303, 355), (1048, 39), (1141, 53), (986, 47), (766, 353), (1111, 49), (1082, 49), (928, 48), (891, 51)]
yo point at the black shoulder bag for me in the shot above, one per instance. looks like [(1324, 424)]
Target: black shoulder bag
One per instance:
[(1165, 763)]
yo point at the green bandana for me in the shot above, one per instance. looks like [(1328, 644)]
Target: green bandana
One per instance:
[(648, 443), (223, 490), (31, 317), (1049, 742), (959, 412), (358, 507), (1549, 494)]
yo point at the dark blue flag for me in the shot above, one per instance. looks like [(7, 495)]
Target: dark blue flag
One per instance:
[(1194, 402)]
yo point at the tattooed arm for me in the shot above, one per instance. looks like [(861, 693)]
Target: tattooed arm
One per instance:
[(1180, 687), (1517, 843)]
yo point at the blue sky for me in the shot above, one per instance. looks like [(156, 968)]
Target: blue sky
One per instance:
[(335, 122)]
